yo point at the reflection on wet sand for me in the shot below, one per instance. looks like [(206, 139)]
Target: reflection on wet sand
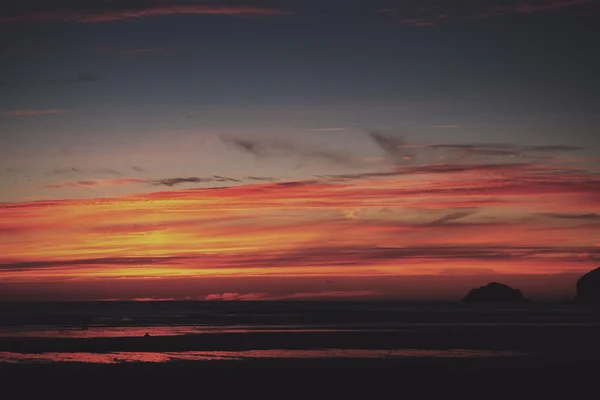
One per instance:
[(128, 331), (180, 330), (148, 357)]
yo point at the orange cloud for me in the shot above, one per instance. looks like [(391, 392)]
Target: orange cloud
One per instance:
[(427, 219)]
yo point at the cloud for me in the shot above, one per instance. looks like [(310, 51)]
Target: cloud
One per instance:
[(260, 178), (467, 271), (192, 179), (235, 296), (268, 148), (102, 11), (322, 295), (30, 113), (327, 295), (413, 14), (551, 148), (170, 182), (328, 129), (63, 171), (108, 171), (153, 299), (393, 147), (437, 169), (572, 216), (88, 261), (451, 217), (76, 170), (445, 126), (501, 149), (330, 259), (94, 183), (531, 6), (138, 169)]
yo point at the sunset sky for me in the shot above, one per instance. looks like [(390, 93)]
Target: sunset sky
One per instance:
[(271, 150)]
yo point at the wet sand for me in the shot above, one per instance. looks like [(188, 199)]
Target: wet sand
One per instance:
[(532, 378), (517, 357), (536, 339)]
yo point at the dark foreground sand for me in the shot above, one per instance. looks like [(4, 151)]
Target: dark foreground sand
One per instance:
[(539, 339), (533, 378), (562, 362)]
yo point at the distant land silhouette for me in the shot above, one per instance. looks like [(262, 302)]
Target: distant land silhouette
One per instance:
[(588, 291), (588, 288), (495, 292)]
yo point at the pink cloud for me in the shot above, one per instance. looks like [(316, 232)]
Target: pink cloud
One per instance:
[(235, 296), (30, 113), (152, 299), (339, 294), (107, 14)]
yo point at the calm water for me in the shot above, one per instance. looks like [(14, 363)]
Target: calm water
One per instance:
[(357, 323)]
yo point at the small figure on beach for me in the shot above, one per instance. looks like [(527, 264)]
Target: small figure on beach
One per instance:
[(147, 334)]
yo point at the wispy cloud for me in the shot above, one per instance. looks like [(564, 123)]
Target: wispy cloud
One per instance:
[(328, 129), (269, 148), (76, 170), (235, 296), (31, 113), (95, 183), (445, 126), (170, 182), (101, 11), (572, 216), (530, 6), (321, 295), (63, 171), (192, 179), (413, 14), (393, 146), (538, 217)]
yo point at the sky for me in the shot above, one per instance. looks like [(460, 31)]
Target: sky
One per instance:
[(271, 150)]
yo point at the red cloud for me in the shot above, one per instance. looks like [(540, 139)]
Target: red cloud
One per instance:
[(29, 113), (105, 15)]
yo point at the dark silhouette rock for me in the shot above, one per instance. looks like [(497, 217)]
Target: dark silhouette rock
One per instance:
[(588, 288), (495, 293)]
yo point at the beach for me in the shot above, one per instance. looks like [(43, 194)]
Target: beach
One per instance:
[(135, 347)]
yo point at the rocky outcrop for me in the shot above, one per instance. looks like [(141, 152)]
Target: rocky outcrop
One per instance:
[(588, 288), (495, 293)]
